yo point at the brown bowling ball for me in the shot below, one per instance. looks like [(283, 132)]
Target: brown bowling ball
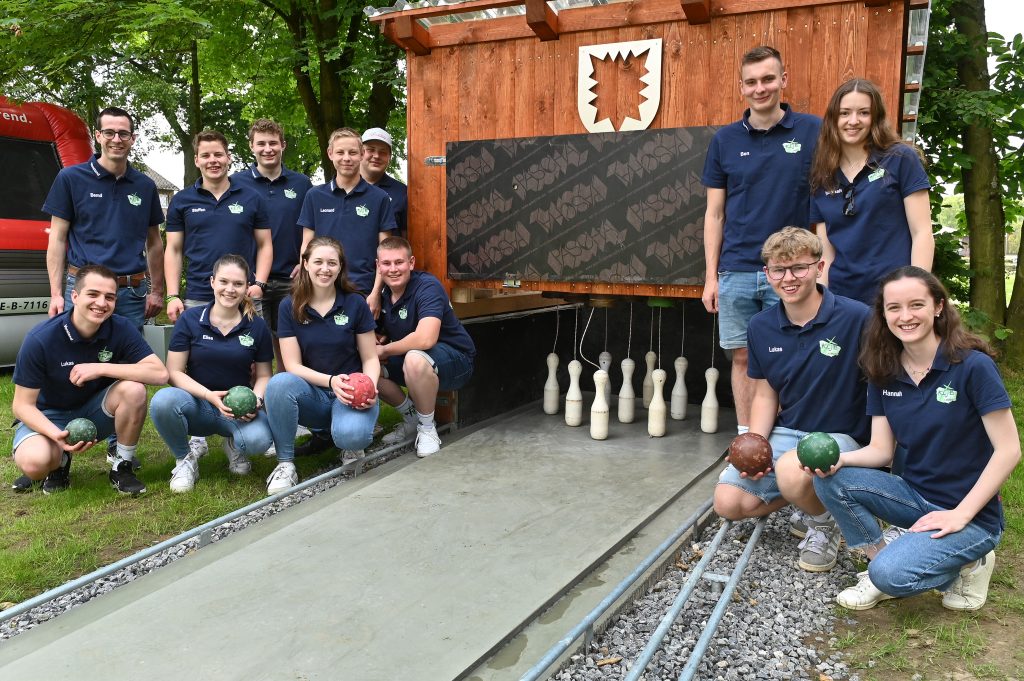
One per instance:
[(750, 453)]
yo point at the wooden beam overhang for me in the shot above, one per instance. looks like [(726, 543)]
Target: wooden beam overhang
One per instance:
[(541, 19)]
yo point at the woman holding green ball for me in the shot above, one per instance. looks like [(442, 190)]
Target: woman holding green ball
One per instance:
[(212, 351)]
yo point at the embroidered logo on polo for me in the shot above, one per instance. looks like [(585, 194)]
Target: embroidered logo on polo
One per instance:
[(236, 208), (945, 394), (105, 355), (135, 199), (246, 340), (341, 319), (290, 193), (362, 211), (829, 347), (403, 313), (877, 175), (792, 147)]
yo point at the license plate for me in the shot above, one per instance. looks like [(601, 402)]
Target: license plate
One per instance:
[(10, 306)]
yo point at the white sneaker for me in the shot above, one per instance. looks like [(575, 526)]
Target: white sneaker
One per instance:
[(184, 475), (350, 455), (238, 462), (970, 590), (405, 430), (798, 524), (892, 533), (301, 431), (197, 447), (427, 441), (282, 478), (863, 596), (271, 453)]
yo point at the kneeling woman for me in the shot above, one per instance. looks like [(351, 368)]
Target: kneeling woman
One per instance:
[(213, 348), (326, 332), (933, 388)]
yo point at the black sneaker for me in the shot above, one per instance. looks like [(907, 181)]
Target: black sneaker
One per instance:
[(22, 484), (124, 481), (317, 442), (58, 480), (112, 455)]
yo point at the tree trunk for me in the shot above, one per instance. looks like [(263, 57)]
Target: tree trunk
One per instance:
[(982, 201), (382, 99)]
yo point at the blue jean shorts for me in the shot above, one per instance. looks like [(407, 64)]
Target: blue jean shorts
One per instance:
[(94, 410), (453, 368), (741, 295), (782, 440)]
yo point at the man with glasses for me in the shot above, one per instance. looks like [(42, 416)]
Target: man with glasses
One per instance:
[(756, 177), (803, 363)]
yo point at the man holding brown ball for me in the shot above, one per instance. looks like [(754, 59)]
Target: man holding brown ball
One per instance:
[(803, 361)]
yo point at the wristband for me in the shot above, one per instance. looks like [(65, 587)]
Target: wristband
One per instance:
[(330, 381), (169, 298), (261, 284)]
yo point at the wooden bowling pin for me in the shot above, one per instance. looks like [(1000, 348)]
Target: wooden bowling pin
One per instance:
[(604, 360), (627, 398), (574, 398), (551, 389), (709, 410), (679, 394), (656, 413), (650, 358), (599, 410)]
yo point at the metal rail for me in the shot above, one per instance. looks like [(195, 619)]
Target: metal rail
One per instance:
[(204, 532)]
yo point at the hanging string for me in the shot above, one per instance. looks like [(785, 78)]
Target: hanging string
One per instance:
[(652, 330), (606, 329), (576, 329), (629, 339), (682, 341), (582, 356), (714, 327), (558, 317), (659, 337)]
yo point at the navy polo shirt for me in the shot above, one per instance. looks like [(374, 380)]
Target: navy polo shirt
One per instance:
[(283, 199), (355, 219), (764, 175), (328, 343), (423, 297), (52, 348), (399, 194), (876, 239), (214, 228), (813, 368), (110, 216), (218, 361), (939, 423)]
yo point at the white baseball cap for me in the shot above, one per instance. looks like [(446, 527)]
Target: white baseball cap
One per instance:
[(378, 134)]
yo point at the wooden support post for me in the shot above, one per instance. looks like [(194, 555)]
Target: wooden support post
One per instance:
[(541, 19), (697, 11), (412, 36)]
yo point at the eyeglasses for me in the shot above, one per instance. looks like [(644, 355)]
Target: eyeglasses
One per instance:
[(849, 210), (799, 270), (123, 135)]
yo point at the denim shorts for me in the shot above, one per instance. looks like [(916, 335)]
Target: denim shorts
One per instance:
[(741, 295), (94, 410), (782, 440), (453, 368)]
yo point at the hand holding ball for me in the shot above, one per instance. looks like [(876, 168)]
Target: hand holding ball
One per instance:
[(750, 453), (364, 392), (80, 430), (241, 400), (818, 451)]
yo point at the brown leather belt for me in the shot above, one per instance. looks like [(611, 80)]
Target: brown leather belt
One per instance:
[(123, 280)]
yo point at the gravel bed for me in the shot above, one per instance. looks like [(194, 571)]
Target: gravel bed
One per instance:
[(58, 606), (775, 628)]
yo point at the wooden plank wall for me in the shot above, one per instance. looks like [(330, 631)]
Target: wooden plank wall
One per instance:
[(523, 87)]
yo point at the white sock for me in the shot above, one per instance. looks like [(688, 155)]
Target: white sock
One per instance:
[(742, 429), (124, 453), (426, 420)]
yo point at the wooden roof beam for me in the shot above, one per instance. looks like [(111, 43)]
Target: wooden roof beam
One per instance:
[(410, 34), (697, 11), (541, 19)]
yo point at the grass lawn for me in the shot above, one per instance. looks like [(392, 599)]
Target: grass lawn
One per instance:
[(46, 540)]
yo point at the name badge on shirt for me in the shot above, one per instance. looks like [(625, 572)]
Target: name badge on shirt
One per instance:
[(105, 355), (362, 211), (290, 193), (341, 319), (878, 174), (236, 208), (135, 199), (829, 347), (792, 147), (246, 340), (945, 394)]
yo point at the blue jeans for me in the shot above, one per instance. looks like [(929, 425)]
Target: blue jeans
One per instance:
[(291, 400), (178, 414), (741, 295), (131, 301), (452, 367), (915, 562)]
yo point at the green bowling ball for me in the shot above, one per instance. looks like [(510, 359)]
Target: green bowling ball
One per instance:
[(818, 451), (241, 400), (80, 430)]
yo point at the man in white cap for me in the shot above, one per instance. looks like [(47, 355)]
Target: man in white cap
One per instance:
[(377, 145)]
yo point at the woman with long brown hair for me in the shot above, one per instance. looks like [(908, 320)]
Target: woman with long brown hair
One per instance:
[(935, 390), (326, 333), (869, 194)]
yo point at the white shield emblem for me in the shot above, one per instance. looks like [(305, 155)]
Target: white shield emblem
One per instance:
[(650, 52)]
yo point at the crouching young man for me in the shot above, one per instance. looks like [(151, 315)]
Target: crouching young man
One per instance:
[(803, 360), (86, 362), (422, 344)]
